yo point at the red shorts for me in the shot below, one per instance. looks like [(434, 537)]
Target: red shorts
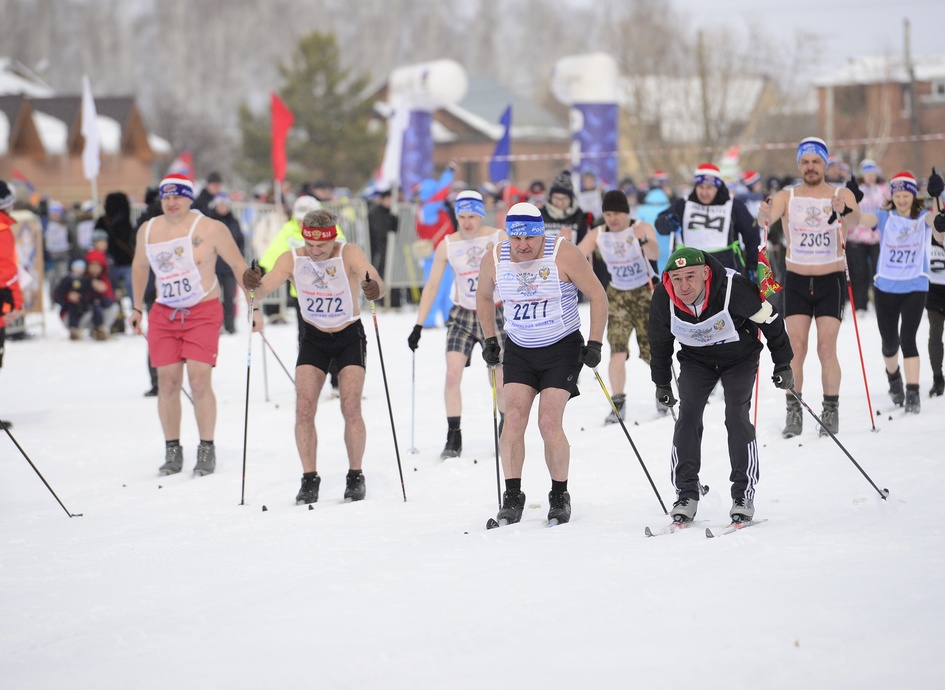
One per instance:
[(193, 334)]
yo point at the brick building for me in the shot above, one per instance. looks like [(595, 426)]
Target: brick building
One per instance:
[(883, 108)]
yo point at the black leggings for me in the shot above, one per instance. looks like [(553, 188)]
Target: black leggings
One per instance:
[(936, 349), (890, 308)]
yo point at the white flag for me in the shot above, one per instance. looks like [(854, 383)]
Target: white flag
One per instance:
[(90, 154)]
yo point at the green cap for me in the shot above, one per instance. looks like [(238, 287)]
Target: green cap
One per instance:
[(683, 258)]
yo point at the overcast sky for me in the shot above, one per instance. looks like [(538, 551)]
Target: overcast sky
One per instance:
[(845, 28)]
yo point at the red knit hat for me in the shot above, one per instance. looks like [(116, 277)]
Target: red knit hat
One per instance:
[(904, 182), (707, 172)]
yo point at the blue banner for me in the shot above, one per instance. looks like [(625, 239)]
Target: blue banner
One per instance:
[(500, 170), (416, 161), (594, 140)]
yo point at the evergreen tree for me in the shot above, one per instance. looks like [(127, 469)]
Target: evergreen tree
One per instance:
[(331, 106)]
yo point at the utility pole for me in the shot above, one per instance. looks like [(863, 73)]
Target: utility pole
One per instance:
[(911, 90)]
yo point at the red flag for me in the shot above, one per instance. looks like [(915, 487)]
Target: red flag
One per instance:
[(182, 165), (767, 285), (282, 120)]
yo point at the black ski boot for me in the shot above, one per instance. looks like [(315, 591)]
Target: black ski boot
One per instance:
[(513, 505), (355, 490), (895, 388), (559, 507), (913, 400), (454, 444), (308, 493), (938, 386)]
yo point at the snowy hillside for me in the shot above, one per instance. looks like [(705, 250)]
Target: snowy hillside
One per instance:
[(170, 582)]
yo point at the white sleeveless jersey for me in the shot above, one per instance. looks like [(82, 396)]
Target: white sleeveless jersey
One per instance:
[(464, 257), (622, 253), (706, 227), (324, 291), (903, 254), (813, 241), (177, 278), (716, 330), (539, 309)]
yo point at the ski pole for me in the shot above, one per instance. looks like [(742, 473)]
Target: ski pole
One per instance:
[(249, 363), (272, 350), (265, 369), (495, 429), (36, 470), (390, 409), (856, 326), (413, 400), (883, 493), (623, 426)]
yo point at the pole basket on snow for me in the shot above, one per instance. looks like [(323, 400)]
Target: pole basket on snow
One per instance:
[(883, 493)]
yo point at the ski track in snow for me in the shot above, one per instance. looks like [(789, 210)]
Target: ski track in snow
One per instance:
[(169, 581)]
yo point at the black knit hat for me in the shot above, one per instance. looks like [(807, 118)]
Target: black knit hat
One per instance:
[(616, 201), (562, 184)]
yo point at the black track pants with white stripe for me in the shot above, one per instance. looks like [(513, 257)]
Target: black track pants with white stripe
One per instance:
[(696, 382)]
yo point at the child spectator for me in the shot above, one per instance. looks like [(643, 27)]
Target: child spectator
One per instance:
[(101, 296), (70, 296)]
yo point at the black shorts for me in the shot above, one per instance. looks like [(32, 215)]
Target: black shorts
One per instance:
[(552, 366), (347, 347), (814, 295)]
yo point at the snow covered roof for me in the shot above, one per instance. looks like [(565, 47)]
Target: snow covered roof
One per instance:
[(877, 69), (15, 80), (676, 103), (486, 100), (4, 133), (53, 132)]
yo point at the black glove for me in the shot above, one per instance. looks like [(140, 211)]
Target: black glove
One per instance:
[(590, 354), (936, 185), (490, 351), (854, 187), (939, 220), (664, 396), (783, 377), (6, 300), (414, 338)]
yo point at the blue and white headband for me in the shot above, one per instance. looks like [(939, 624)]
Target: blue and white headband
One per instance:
[(812, 145), (524, 220), (470, 202)]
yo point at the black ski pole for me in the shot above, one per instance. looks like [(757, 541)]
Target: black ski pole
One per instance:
[(249, 362), (883, 493), (390, 409), (495, 428), (623, 426), (265, 340), (36, 470)]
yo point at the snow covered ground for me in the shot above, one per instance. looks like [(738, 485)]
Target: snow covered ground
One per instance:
[(170, 582)]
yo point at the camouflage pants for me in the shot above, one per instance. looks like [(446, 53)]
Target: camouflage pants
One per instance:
[(628, 311)]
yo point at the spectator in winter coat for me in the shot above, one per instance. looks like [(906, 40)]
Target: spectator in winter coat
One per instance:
[(103, 309), (11, 296), (117, 223), (71, 294), (221, 210), (715, 313)]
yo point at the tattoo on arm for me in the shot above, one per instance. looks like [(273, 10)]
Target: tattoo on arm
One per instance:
[(197, 240)]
